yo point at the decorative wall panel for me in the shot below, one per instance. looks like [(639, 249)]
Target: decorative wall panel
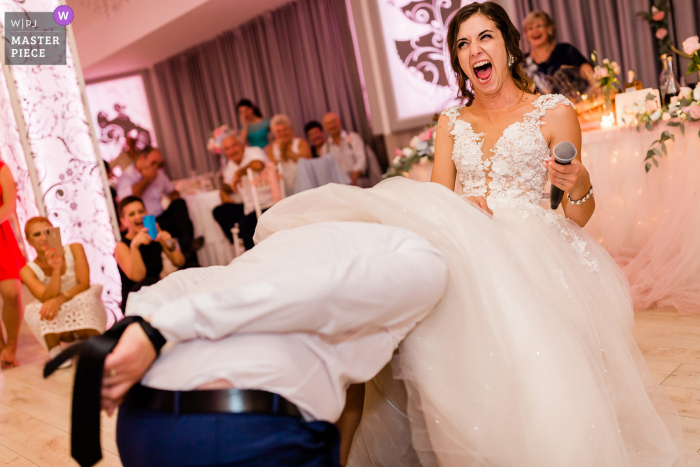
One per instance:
[(415, 40), (70, 181), (119, 108)]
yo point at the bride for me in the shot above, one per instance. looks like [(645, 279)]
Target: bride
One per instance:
[(529, 359)]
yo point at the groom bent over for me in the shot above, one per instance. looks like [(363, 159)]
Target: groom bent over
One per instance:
[(275, 339)]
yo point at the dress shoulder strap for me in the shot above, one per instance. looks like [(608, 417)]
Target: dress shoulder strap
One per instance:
[(452, 113), (547, 102), (37, 270)]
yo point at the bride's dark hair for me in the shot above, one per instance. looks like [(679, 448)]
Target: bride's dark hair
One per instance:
[(511, 37)]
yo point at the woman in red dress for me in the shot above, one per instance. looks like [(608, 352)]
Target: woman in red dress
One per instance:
[(11, 261)]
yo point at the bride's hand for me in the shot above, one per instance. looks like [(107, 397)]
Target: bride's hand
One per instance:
[(573, 177), (481, 202)]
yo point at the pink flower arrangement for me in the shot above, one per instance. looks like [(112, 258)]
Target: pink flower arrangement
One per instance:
[(427, 135), (214, 143), (658, 16), (691, 45), (695, 112), (661, 32)]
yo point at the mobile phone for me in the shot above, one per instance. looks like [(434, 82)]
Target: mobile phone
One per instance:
[(53, 239), (150, 223)]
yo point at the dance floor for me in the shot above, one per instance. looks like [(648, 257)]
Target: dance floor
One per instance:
[(34, 412)]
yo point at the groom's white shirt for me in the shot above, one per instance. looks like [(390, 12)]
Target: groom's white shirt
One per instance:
[(304, 314)]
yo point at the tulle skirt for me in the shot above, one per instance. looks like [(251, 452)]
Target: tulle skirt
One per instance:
[(528, 360)]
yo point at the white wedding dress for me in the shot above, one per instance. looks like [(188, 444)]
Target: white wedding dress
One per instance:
[(529, 359)]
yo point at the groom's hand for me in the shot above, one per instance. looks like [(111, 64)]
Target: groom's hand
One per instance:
[(125, 366), (481, 202)]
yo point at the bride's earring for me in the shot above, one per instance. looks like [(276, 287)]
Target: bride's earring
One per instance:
[(511, 60)]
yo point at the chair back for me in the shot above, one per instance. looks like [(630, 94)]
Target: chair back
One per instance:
[(263, 189)]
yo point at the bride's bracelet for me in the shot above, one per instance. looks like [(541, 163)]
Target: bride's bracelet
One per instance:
[(582, 200)]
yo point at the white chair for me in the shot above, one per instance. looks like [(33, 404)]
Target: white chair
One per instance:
[(238, 247), (259, 191)]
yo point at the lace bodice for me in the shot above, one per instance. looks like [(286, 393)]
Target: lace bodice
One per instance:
[(68, 280), (515, 167)]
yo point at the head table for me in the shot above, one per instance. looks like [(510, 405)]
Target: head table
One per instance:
[(649, 222)]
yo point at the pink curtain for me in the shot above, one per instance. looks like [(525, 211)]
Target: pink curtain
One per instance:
[(298, 60)]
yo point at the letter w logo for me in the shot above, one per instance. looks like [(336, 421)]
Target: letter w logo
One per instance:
[(63, 15)]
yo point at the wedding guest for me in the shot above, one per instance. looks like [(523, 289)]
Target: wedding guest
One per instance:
[(240, 159), (347, 147), (548, 56), (315, 136), (287, 149), (138, 255), (68, 307), (11, 261), (254, 128), (125, 158), (147, 180)]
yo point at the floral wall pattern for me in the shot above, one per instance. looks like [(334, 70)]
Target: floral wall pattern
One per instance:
[(70, 180), (119, 109), (415, 41)]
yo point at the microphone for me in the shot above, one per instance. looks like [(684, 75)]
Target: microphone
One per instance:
[(564, 153)]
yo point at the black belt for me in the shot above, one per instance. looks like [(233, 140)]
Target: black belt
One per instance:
[(209, 401)]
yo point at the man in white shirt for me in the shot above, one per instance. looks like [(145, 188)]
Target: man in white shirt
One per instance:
[(305, 314), (348, 148), (146, 179), (231, 211)]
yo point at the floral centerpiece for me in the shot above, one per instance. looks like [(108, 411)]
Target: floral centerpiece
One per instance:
[(683, 108), (658, 20), (605, 74), (421, 150), (691, 46), (215, 139)]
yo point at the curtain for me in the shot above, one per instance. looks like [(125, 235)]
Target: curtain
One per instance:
[(297, 60), (612, 28)]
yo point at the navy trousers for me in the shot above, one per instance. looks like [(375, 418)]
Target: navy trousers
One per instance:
[(152, 439)]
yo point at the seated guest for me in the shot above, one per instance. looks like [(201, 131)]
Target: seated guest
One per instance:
[(315, 137), (138, 255), (254, 128), (549, 57), (348, 148), (287, 149), (146, 180), (68, 307), (240, 159)]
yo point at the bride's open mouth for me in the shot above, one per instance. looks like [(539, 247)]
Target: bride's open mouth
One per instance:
[(483, 71)]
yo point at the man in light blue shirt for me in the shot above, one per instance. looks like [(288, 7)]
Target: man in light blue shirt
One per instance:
[(146, 179)]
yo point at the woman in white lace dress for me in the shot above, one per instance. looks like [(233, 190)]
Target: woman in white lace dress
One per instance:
[(528, 360), (67, 306)]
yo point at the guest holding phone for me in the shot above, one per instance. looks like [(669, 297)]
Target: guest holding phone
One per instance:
[(68, 306), (11, 261), (138, 254)]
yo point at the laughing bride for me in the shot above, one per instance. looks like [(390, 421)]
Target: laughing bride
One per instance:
[(528, 360)]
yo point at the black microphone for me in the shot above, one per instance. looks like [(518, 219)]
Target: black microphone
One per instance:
[(564, 153)]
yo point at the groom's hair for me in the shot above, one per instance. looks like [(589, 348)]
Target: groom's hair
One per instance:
[(511, 37)]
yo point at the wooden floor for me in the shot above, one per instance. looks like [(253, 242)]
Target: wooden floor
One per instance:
[(35, 413)]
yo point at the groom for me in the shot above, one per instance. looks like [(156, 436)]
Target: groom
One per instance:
[(260, 353)]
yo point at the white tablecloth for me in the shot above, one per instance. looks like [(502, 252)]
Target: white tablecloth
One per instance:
[(631, 203), (217, 250)]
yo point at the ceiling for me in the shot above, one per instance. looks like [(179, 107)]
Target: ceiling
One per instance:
[(135, 34)]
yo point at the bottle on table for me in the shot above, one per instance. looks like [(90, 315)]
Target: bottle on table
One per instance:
[(668, 83), (632, 84)]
